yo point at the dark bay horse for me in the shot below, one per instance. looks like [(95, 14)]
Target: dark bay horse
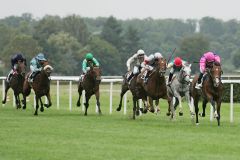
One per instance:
[(41, 87), (211, 91), (16, 83), (156, 87), (90, 84)]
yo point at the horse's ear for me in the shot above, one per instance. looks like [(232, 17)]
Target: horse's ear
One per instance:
[(190, 65)]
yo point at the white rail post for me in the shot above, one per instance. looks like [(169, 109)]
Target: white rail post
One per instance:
[(3, 90), (140, 106), (111, 90), (13, 98), (57, 94), (231, 102), (125, 104), (34, 101), (211, 112), (83, 100), (70, 95)]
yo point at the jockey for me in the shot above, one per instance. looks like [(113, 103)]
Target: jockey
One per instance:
[(36, 66), (135, 63), (149, 63), (175, 66), (89, 60), (205, 62), (14, 63)]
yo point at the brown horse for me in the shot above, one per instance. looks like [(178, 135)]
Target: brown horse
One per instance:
[(41, 87), (211, 91), (16, 83), (90, 84), (156, 87)]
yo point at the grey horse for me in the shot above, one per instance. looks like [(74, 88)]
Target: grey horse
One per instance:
[(179, 88)]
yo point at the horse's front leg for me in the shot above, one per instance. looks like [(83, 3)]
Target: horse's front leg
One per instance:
[(134, 107), (80, 89), (180, 105), (188, 98), (17, 100), (97, 95), (150, 101), (37, 105), (41, 103), (157, 108), (204, 105), (49, 100), (219, 101), (86, 104), (170, 106), (7, 86)]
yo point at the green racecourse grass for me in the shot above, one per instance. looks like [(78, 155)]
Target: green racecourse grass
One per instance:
[(61, 134)]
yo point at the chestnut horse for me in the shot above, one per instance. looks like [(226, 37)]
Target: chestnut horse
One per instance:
[(90, 84), (41, 87), (156, 87), (211, 91), (16, 83)]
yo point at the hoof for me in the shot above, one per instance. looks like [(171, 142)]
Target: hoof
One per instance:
[(168, 113), (144, 111), (137, 113), (141, 109), (3, 102), (118, 109), (152, 110), (78, 104), (180, 113), (35, 114), (41, 109), (201, 115), (24, 107)]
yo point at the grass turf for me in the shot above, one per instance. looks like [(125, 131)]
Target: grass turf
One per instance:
[(61, 134)]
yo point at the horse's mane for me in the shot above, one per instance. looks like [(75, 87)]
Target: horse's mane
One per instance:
[(217, 64)]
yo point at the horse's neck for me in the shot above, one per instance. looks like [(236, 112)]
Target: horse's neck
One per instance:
[(43, 78)]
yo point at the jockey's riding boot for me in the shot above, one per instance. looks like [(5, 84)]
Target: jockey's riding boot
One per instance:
[(199, 83), (130, 77), (170, 78), (146, 77)]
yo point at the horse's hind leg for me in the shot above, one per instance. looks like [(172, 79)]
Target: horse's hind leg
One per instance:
[(7, 86), (97, 95), (176, 103), (196, 99), (134, 107), (123, 91), (80, 89)]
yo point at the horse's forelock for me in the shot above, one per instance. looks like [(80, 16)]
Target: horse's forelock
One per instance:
[(48, 67)]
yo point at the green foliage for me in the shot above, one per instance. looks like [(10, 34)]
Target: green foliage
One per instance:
[(21, 43), (192, 48), (107, 55), (75, 26), (64, 47), (226, 93), (112, 31)]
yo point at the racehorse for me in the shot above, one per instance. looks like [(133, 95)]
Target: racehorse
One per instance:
[(156, 87), (179, 87), (90, 84), (41, 87), (211, 91), (16, 83)]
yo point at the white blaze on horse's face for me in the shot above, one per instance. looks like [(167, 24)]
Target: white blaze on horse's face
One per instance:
[(187, 73)]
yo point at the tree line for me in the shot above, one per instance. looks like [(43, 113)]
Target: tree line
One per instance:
[(65, 41)]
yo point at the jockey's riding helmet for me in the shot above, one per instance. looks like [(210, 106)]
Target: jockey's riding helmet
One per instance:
[(210, 57), (140, 52), (89, 56), (158, 55), (178, 61), (41, 57)]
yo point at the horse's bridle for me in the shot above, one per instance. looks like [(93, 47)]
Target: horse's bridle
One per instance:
[(183, 74)]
